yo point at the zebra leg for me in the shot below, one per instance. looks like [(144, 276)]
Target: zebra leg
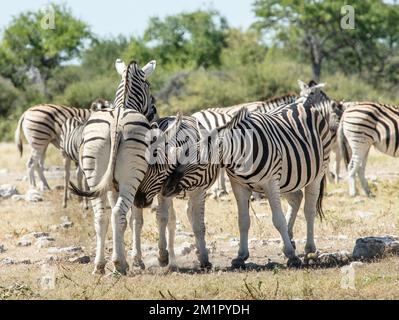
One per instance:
[(197, 208), (162, 219), (101, 222), (171, 237), (30, 167), (82, 185), (67, 173), (272, 191), (119, 224), (40, 171), (358, 155), (294, 200), (312, 192), (242, 196), (362, 175), (337, 165), (136, 224)]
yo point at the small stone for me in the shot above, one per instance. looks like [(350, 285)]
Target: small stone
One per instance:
[(59, 187), (44, 242), (39, 234), (33, 196), (71, 249), (25, 261), (66, 225), (2, 248), (7, 261), (80, 259), (24, 241), (185, 248), (7, 191), (234, 242)]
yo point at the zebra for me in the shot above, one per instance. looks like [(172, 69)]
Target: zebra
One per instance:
[(290, 153), (260, 106), (366, 124), (41, 125), (113, 157), (70, 140), (148, 189)]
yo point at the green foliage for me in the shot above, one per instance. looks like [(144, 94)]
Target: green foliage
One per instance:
[(26, 44), (83, 93), (313, 29)]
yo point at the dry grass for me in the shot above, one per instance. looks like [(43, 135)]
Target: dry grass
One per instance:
[(338, 231)]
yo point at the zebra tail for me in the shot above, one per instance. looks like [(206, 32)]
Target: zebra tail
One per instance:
[(319, 204), (17, 137), (103, 186), (344, 145)]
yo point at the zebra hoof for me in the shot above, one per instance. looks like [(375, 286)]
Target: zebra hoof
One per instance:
[(294, 262), (206, 266), (99, 269), (238, 263), (163, 260), (173, 268), (121, 268), (138, 264)]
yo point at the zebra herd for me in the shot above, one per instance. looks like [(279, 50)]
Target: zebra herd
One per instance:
[(126, 155)]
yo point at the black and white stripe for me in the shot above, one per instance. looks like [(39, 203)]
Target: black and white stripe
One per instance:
[(290, 152), (113, 156), (366, 124), (41, 126)]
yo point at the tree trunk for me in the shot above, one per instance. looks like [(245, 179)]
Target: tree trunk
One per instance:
[(316, 69)]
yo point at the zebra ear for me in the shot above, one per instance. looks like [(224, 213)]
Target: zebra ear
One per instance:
[(149, 68), (154, 125), (302, 85), (120, 66), (171, 132)]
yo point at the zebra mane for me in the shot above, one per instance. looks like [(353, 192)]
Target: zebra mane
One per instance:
[(282, 97), (131, 92), (241, 115)]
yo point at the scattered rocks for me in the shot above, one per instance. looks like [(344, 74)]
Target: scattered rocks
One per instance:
[(369, 248), (185, 248), (7, 261), (71, 249), (24, 241), (80, 259), (44, 242), (31, 196), (25, 261), (7, 191)]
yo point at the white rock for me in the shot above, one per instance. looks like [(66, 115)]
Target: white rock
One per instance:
[(185, 249), (44, 242), (7, 261), (25, 241), (234, 242), (7, 191), (33, 196)]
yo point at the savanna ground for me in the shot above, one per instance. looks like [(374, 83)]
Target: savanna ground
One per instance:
[(346, 219)]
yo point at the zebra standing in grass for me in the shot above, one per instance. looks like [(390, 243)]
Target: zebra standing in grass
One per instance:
[(113, 157), (70, 140), (41, 125), (289, 152), (148, 190), (366, 124)]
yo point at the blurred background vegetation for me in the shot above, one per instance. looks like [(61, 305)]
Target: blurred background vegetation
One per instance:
[(202, 62)]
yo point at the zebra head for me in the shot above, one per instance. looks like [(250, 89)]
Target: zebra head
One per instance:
[(166, 139), (134, 90), (214, 149)]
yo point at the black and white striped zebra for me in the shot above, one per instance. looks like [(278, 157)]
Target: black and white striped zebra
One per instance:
[(154, 179), (70, 141), (113, 157), (289, 152), (41, 125), (366, 124)]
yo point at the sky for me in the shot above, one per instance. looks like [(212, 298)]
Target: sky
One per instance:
[(130, 17)]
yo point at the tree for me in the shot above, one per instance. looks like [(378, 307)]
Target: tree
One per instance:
[(195, 38), (28, 47), (314, 29)]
